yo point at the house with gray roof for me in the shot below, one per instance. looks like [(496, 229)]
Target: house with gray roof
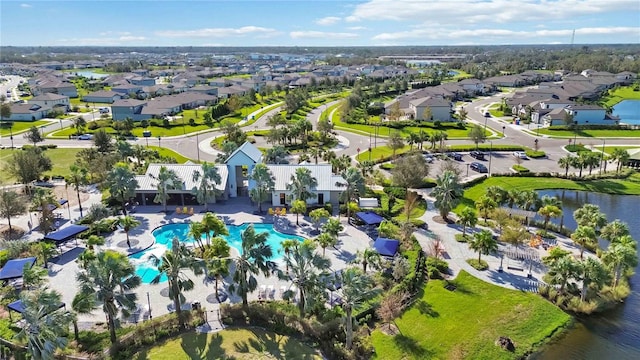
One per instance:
[(55, 101), (28, 112), (102, 96), (440, 108)]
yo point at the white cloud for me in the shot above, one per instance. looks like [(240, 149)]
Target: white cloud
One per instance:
[(321, 35), (489, 11), (26, 6), (104, 41), (356, 28), (329, 20), (220, 32)]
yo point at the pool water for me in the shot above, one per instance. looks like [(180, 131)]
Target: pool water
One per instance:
[(165, 234)]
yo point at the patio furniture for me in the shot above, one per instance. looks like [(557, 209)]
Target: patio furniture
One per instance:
[(178, 210)]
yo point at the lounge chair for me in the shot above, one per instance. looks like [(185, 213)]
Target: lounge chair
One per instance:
[(185, 210), (191, 211), (271, 292), (178, 210), (282, 290), (262, 293), (277, 211), (270, 212)]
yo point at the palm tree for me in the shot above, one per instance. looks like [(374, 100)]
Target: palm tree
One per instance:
[(43, 200), (287, 246), (614, 230), (566, 162), (561, 271), (44, 251), (217, 261), (497, 194), (128, 222), (513, 197), (590, 215), (264, 184), (122, 184), (593, 273), (367, 257), (485, 204), (620, 257), (548, 212), (447, 193), (621, 156), (78, 178), (308, 271), (333, 226), (196, 230), (172, 265), (353, 185), (208, 179), (583, 236), (254, 259), (483, 243), (468, 217), (167, 180), (528, 199), (98, 282), (315, 153), (357, 288), (301, 184), (325, 240), (44, 326), (212, 227)]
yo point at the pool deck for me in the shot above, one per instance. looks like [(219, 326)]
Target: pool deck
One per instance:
[(237, 211)]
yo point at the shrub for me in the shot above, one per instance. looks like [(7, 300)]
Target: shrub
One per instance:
[(535, 154), (520, 169), (328, 207), (462, 239), (397, 192), (192, 122), (478, 265), (387, 166), (545, 234), (93, 125), (4, 257)]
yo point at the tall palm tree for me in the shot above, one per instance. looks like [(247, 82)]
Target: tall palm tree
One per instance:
[(315, 153), (44, 200), (196, 230), (254, 259), (208, 178), (614, 230), (590, 215), (264, 184), (167, 180), (561, 271), (368, 257), (483, 243), (333, 226), (566, 162), (583, 236), (468, 217), (99, 281), (122, 184), (78, 177), (216, 258), (287, 246), (325, 240), (128, 222), (308, 271), (301, 184), (620, 257), (593, 273), (212, 227), (45, 326), (528, 200), (357, 288), (548, 212), (621, 156), (172, 265), (485, 204), (353, 185), (447, 193), (498, 194)]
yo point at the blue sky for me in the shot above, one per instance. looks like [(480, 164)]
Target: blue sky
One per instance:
[(317, 22)]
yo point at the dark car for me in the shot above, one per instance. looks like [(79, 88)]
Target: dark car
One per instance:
[(476, 166), (477, 155), (455, 156)]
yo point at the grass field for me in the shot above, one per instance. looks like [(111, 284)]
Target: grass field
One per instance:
[(19, 126), (609, 149), (629, 186), (61, 159), (380, 152), (465, 323), (170, 153), (230, 344), (621, 93), (588, 133)]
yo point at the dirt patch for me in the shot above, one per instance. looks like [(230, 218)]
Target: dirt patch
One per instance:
[(390, 329), (69, 193), (440, 220), (16, 232)]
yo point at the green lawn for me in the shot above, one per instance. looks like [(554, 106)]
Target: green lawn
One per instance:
[(19, 126), (170, 153), (609, 149), (380, 152), (589, 133), (61, 159), (629, 186), (466, 322), (230, 344), (621, 93)]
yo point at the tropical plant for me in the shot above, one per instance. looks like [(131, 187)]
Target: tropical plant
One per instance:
[(128, 223), (167, 180), (353, 185), (287, 246), (11, 204), (216, 258), (212, 227), (298, 207), (357, 288), (483, 243), (614, 230), (196, 230), (254, 259), (447, 193), (45, 325), (497, 194), (593, 274), (317, 215), (98, 283), (325, 240), (584, 236), (561, 271), (621, 156), (485, 204), (207, 179), (264, 184), (620, 257), (368, 257), (172, 265), (122, 184), (590, 215), (301, 184), (548, 212), (467, 217), (78, 177), (333, 226), (308, 271)]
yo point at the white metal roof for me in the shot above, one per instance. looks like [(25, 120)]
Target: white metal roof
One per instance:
[(147, 182), (322, 172)]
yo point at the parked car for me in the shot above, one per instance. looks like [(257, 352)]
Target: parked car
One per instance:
[(476, 166), (477, 155), (455, 156), (520, 154), (85, 137)]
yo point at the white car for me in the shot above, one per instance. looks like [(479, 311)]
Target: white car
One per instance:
[(85, 137), (520, 154)]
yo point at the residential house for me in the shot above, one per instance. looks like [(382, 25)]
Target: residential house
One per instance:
[(28, 112), (472, 87), (102, 96), (55, 101), (440, 108), (127, 89), (128, 108), (142, 81)]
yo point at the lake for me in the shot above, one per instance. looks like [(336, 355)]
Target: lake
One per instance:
[(91, 74), (614, 334), (628, 111)]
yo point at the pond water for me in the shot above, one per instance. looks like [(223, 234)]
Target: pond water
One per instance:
[(91, 74), (614, 334), (628, 111)]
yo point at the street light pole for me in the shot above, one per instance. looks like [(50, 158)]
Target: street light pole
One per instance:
[(198, 145), (602, 155), (503, 127), (149, 305), (159, 142), (467, 169), (490, 155)]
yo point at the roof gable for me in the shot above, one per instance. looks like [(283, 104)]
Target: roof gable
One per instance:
[(249, 150)]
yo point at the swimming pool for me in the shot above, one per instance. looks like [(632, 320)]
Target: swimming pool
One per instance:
[(164, 235)]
